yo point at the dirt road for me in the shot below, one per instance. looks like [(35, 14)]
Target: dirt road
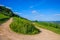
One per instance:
[(7, 34)]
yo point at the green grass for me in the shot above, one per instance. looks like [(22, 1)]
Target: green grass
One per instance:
[(3, 18), (23, 26), (51, 28)]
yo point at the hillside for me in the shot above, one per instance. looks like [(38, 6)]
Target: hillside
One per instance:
[(19, 24), (58, 22), (5, 14), (6, 11), (15, 26), (53, 26), (7, 34), (3, 18)]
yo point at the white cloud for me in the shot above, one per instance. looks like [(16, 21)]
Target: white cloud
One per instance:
[(57, 14), (8, 7), (5, 6), (17, 13), (37, 14), (34, 11), (1, 5)]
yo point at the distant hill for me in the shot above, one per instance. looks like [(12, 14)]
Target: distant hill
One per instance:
[(56, 22), (50, 25)]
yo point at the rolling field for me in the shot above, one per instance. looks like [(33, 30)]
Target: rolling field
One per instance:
[(50, 26)]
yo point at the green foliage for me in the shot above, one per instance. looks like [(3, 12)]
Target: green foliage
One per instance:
[(5, 14), (21, 25), (6, 11), (3, 18), (50, 26)]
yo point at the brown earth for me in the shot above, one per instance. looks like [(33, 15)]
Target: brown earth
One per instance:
[(7, 34)]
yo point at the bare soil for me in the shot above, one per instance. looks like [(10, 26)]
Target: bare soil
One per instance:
[(7, 34)]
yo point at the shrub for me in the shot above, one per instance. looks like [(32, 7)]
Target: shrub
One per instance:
[(21, 25)]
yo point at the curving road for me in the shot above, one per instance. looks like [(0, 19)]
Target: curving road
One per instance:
[(7, 34)]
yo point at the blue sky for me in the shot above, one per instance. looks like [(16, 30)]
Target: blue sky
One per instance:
[(42, 10)]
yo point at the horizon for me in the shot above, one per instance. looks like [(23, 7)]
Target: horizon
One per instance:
[(41, 10)]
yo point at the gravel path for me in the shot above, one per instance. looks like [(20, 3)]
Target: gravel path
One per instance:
[(7, 34)]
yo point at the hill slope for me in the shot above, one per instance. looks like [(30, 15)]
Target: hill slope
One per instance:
[(49, 25), (7, 34), (5, 14), (23, 26), (19, 24)]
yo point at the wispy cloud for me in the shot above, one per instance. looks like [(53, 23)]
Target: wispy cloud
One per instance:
[(57, 14), (34, 11), (37, 15), (6, 6), (1, 5), (17, 13)]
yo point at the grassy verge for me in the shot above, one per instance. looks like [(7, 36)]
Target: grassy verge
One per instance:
[(3, 18), (23, 26), (56, 30)]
